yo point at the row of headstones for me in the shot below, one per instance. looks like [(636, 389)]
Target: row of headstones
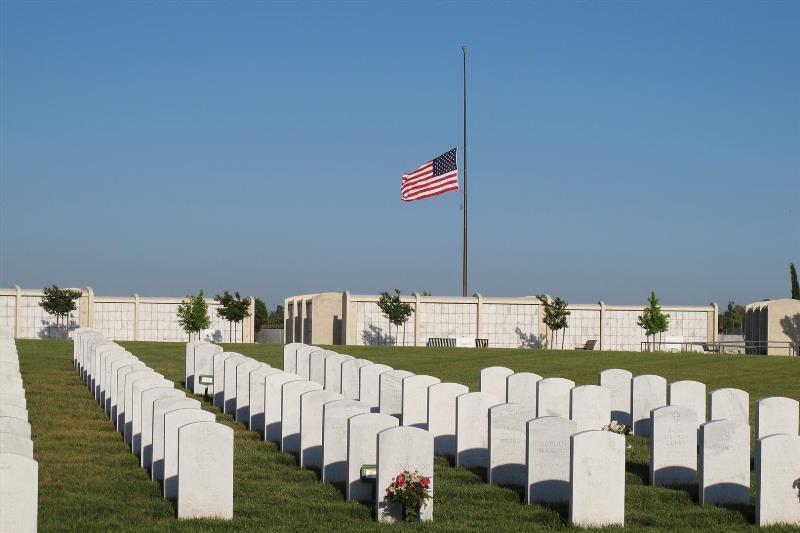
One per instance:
[(334, 418), (179, 443), (19, 472)]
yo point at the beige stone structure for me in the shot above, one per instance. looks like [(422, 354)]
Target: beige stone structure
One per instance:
[(772, 327), (344, 318), (129, 318)]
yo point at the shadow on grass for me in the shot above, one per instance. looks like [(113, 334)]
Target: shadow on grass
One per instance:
[(516, 489), (640, 470), (561, 509)]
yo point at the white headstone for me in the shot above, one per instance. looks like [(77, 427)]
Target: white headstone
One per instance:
[(205, 471), (778, 480), (189, 364), (290, 417), (351, 377), (776, 415), (590, 407), (730, 404), (218, 384), (149, 397), (229, 394), (362, 448), (370, 385), (316, 365), (648, 392), (334, 437), (243, 390), (303, 360), (691, 394), (13, 443), (493, 381), (105, 385), (399, 449), (14, 412), (13, 399), (553, 396), (290, 357), (19, 500), (258, 378), (391, 394), (203, 382), (9, 424), (442, 416), (333, 371), (597, 479), (173, 420), (673, 446), (548, 456), (508, 426), (161, 407), (311, 412), (118, 391), (130, 380), (139, 387), (472, 429), (273, 404), (618, 381), (521, 387), (724, 463), (415, 400)]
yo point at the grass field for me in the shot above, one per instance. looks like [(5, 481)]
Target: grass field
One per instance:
[(89, 480)]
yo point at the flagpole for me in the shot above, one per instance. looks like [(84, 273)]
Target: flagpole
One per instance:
[(464, 258)]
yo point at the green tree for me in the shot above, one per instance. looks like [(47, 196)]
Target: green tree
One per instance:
[(555, 316), (395, 310), (234, 309), (261, 314), (732, 319), (652, 320), (59, 302), (275, 318), (193, 314), (795, 285)]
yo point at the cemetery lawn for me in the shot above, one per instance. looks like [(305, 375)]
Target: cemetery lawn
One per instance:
[(90, 481)]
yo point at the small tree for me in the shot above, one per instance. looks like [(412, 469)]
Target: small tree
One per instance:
[(60, 303), (240, 309), (193, 314), (652, 320), (795, 285), (261, 314), (275, 318), (225, 302), (395, 310), (732, 319), (232, 308), (555, 316)]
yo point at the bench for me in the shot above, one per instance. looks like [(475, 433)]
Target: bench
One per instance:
[(588, 346)]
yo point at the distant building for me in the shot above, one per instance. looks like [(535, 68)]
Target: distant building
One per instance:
[(772, 327)]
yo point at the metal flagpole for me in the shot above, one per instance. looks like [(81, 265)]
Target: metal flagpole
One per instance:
[(464, 260)]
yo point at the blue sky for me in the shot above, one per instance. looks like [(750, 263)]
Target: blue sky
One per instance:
[(615, 147)]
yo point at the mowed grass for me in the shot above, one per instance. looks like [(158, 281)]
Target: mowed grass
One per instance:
[(90, 481)]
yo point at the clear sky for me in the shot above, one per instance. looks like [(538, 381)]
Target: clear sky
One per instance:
[(615, 147)]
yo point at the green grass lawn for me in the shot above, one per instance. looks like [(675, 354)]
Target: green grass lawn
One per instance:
[(89, 480)]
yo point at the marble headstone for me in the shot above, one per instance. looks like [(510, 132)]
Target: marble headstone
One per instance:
[(590, 407), (776, 415), (362, 450), (618, 381), (391, 392), (334, 437), (508, 426), (547, 460), (415, 400), (205, 471), (351, 370), (553, 397), (673, 446), (724, 463), (648, 392), (472, 429), (597, 479), (399, 449), (778, 480), (493, 381)]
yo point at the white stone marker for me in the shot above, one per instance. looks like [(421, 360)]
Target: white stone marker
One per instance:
[(547, 460), (648, 392), (243, 390), (219, 377), (724, 463), (173, 420), (118, 389), (13, 399), (290, 415), (9, 424), (290, 356), (229, 394), (553, 397), (618, 381), (362, 449), (597, 479), (316, 365), (113, 365), (351, 377), (161, 407), (776, 415), (311, 405), (442, 416), (399, 449), (19, 493), (777, 480), (334, 437), (493, 381), (203, 382), (258, 379), (130, 380), (472, 429), (414, 391), (139, 387), (303, 360), (273, 404), (105, 385), (521, 387), (333, 371), (590, 407), (369, 390), (205, 471), (691, 394), (105, 353), (508, 427), (730, 404), (13, 443), (149, 397), (391, 392), (673, 446), (189, 364), (14, 412)]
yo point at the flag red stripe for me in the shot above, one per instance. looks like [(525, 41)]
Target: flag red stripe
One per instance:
[(453, 187), (450, 184), (422, 183), (427, 167), (424, 175)]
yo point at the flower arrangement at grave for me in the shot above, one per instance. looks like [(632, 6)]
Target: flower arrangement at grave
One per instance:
[(616, 427), (411, 490)]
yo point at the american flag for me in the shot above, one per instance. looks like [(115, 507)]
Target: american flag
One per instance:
[(431, 179)]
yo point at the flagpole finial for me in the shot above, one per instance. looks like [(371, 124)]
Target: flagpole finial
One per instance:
[(464, 48)]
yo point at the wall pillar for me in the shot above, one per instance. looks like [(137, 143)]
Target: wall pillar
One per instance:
[(136, 317), (249, 323), (299, 311), (417, 301), (713, 323), (18, 312), (478, 315), (602, 324)]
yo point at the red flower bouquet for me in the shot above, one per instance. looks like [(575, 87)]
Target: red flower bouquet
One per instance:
[(411, 490)]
